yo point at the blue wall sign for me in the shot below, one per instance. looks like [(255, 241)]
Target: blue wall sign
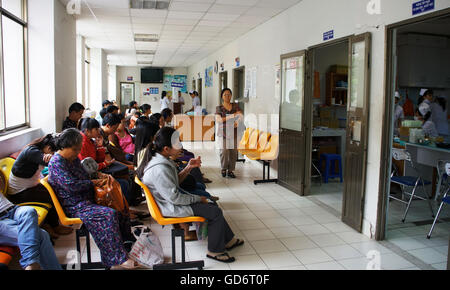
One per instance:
[(328, 35), (422, 6)]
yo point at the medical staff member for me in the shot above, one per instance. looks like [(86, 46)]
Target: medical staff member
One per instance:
[(398, 114), (195, 100), (166, 102), (428, 126)]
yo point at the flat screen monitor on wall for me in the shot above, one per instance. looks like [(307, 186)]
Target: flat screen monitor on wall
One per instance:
[(152, 75)]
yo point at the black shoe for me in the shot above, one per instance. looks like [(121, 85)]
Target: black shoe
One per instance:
[(224, 173), (231, 175)]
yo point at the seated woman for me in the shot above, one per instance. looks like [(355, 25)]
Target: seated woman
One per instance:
[(19, 228), (75, 191), (158, 119), (24, 183), (146, 111), (159, 173), (123, 137), (90, 130), (145, 132)]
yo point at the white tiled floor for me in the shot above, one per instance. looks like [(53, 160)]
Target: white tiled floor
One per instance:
[(285, 231)]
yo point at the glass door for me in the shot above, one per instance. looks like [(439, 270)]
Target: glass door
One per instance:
[(292, 137), (126, 95), (357, 131)]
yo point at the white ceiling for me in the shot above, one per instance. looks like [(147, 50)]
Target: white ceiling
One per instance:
[(189, 30)]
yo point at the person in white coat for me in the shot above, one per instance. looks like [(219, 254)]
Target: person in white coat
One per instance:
[(439, 116), (166, 102)]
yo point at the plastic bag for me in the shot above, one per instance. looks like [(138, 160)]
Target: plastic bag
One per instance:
[(147, 249)]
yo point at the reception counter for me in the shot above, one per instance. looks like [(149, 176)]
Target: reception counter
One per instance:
[(195, 128)]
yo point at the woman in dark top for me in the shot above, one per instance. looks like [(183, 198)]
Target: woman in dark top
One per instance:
[(228, 117), (24, 183)]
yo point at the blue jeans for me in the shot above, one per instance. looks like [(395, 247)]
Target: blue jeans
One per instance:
[(20, 228)]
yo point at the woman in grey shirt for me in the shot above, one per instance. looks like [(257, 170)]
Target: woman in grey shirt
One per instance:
[(160, 174)]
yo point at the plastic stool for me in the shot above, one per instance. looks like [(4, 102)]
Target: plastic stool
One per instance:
[(330, 160)]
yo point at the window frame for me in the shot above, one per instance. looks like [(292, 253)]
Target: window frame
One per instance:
[(23, 22)]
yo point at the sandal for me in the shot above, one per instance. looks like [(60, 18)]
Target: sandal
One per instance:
[(217, 258), (231, 174), (236, 244), (127, 266), (224, 173)]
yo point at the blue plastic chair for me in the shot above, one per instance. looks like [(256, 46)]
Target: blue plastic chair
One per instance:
[(330, 160), (444, 169), (409, 181)]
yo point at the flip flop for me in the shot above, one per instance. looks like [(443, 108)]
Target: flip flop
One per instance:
[(228, 260), (236, 244)]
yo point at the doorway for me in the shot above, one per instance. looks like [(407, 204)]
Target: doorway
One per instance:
[(199, 90), (329, 67), (352, 95), (239, 87), (420, 39), (127, 95), (223, 83)]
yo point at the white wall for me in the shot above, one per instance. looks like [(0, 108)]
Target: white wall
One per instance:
[(52, 63), (298, 28), (98, 79)]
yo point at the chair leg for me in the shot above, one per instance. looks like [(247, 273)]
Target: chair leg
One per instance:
[(427, 197), (435, 220), (409, 204)]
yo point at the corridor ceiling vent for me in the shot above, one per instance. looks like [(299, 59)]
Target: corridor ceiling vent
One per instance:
[(145, 62), (149, 4)]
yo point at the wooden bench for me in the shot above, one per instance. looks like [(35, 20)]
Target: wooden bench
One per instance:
[(260, 146)]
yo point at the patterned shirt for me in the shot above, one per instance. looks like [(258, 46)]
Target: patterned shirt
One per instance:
[(69, 124), (229, 125)]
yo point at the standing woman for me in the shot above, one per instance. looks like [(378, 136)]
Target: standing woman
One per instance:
[(228, 117), (166, 102), (24, 178)]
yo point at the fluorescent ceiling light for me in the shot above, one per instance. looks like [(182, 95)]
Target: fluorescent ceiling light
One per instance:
[(146, 37), (149, 4)]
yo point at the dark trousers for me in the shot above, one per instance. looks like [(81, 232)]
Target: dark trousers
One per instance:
[(219, 232), (37, 194)]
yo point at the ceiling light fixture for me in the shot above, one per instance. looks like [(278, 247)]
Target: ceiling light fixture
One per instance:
[(146, 37), (145, 52), (149, 4)]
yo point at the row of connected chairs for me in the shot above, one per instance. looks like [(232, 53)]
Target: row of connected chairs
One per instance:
[(260, 146), (7, 252), (154, 212)]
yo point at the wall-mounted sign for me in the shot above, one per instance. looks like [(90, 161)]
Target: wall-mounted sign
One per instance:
[(238, 61), (151, 91), (422, 6), (222, 66), (328, 35), (129, 79)]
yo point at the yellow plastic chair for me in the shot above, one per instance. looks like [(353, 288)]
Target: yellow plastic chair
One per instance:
[(263, 140), (76, 223), (42, 209), (245, 138), (163, 221)]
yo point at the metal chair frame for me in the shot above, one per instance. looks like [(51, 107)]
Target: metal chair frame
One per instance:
[(404, 155), (443, 170)]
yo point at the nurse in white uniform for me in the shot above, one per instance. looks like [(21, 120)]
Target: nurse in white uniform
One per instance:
[(428, 126), (166, 102)]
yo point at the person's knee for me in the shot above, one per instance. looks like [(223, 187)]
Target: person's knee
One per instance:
[(27, 213)]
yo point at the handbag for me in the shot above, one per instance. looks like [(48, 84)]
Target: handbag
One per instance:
[(108, 193), (147, 249)]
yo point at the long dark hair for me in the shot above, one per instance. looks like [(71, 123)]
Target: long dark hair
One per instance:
[(144, 108), (155, 118), (47, 140), (163, 138), (163, 94), (145, 131)]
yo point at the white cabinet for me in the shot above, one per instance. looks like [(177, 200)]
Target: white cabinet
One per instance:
[(423, 61)]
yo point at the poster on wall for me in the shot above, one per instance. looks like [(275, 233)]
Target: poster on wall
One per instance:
[(209, 77), (168, 82), (180, 82), (250, 81), (175, 81)]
